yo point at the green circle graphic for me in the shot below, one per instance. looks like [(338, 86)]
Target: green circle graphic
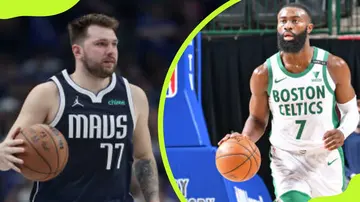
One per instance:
[(36, 8)]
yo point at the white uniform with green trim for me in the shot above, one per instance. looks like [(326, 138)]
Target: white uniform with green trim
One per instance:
[(303, 109)]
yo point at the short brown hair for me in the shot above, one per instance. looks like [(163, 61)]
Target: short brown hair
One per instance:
[(78, 28)]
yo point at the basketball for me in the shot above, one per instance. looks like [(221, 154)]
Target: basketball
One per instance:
[(238, 159), (46, 152)]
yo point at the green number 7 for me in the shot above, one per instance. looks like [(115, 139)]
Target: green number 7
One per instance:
[(302, 125)]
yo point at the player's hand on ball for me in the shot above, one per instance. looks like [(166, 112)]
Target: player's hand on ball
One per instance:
[(8, 148), (228, 136), (333, 139)]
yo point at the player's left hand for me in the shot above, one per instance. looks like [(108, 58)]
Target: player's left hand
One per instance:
[(333, 139)]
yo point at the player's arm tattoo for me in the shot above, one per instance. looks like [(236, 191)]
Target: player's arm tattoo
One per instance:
[(147, 176)]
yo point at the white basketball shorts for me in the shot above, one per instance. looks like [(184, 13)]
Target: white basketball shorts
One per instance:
[(314, 173)]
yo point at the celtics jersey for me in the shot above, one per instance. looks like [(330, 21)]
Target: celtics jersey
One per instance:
[(302, 105)]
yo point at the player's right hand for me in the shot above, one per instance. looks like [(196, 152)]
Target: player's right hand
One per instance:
[(8, 148), (228, 136)]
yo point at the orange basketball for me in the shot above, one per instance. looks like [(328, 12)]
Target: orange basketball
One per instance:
[(46, 152), (238, 159)]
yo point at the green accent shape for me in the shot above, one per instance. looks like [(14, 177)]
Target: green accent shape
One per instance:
[(351, 194), (38, 8), (316, 74), (324, 71), (295, 196), (279, 80), (331, 162), (270, 76), (342, 158), (173, 65)]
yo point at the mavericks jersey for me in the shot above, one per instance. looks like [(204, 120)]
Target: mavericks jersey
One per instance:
[(98, 129), (302, 105)]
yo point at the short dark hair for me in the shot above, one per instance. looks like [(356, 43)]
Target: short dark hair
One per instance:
[(78, 28), (300, 6)]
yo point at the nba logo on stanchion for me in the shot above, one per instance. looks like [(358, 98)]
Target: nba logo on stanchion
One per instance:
[(173, 85)]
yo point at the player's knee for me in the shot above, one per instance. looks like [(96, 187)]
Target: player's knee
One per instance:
[(294, 196)]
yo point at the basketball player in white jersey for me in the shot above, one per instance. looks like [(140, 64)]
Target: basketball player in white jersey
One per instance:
[(93, 91), (301, 86)]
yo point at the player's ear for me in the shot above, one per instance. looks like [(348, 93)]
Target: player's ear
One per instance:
[(77, 51), (310, 27)]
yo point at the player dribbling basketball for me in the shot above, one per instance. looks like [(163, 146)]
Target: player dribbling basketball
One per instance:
[(103, 118), (301, 85)]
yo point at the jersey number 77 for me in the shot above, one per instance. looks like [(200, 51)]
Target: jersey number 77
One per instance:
[(110, 150)]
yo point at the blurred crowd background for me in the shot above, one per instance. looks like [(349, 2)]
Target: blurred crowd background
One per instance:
[(34, 48)]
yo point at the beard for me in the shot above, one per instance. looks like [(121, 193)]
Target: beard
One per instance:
[(97, 69), (293, 46)]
